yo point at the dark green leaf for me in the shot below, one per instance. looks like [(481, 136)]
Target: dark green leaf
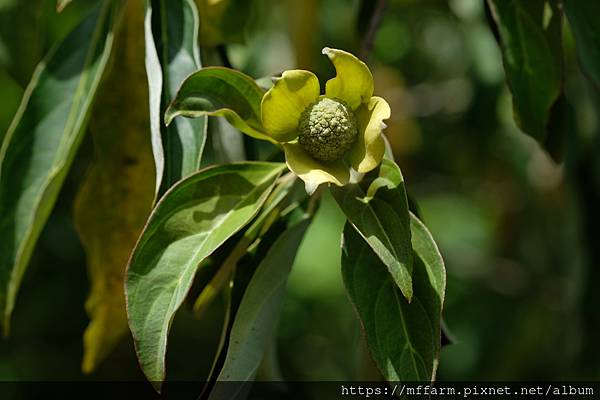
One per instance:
[(190, 221), (404, 338), (258, 314), (43, 139), (583, 19), (171, 31), (530, 38), (379, 211), (222, 92)]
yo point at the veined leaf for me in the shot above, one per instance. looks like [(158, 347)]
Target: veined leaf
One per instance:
[(171, 31), (530, 38), (43, 139), (222, 92), (583, 19), (404, 338), (117, 194), (190, 221), (267, 216), (379, 211), (258, 314)]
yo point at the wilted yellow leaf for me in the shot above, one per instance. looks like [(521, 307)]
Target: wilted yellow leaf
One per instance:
[(117, 194)]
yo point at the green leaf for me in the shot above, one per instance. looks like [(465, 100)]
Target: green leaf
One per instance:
[(258, 314), (404, 338), (171, 31), (42, 141), (378, 209), (110, 211), (530, 39), (583, 19), (267, 216), (223, 92), (190, 221)]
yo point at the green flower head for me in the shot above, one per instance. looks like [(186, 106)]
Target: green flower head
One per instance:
[(326, 137)]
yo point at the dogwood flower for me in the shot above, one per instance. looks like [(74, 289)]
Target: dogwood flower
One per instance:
[(327, 138)]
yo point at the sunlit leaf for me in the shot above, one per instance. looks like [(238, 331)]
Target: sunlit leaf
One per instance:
[(171, 31), (258, 314), (583, 19), (378, 209), (191, 220), (267, 216), (117, 194), (404, 338), (43, 139), (530, 38), (222, 92)]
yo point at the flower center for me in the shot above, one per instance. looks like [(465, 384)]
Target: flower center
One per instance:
[(327, 129)]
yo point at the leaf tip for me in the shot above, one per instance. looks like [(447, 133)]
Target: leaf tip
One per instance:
[(169, 115), (157, 385), (407, 292)]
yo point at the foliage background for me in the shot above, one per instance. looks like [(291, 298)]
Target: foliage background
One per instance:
[(515, 228)]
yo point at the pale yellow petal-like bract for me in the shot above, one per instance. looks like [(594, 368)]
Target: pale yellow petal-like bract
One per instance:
[(367, 152), (283, 104), (353, 82), (314, 172)]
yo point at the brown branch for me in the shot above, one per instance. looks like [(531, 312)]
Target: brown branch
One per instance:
[(375, 21)]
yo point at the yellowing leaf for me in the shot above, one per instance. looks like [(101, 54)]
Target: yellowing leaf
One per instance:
[(117, 194)]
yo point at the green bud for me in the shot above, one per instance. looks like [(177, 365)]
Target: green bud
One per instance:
[(327, 129)]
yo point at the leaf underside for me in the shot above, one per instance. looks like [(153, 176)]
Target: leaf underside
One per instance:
[(42, 141), (258, 314), (172, 53), (378, 209), (403, 338), (530, 39)]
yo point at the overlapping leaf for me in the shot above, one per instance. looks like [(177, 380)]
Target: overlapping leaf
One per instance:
[(258, 314), (117, 194), (171, 31), (530, 38), (378, 209), (222, 92), (43, 139), (404, 338), (191, 220)]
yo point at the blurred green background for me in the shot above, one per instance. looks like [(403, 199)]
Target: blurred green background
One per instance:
[(513, 225)]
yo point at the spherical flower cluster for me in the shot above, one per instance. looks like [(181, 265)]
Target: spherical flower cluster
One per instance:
[(327, 129)]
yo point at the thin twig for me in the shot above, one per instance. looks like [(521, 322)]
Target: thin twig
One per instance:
[(222, 52), (375, 21)]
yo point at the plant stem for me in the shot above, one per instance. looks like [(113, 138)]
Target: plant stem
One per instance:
[(375, 21)]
